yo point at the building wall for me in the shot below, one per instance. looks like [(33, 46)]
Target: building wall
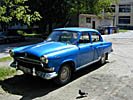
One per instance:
[(124, 1), (84, 23), (124, 14), (86, 20)]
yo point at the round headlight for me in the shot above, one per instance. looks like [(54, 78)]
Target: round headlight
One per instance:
[(44, 59), (11, 53)]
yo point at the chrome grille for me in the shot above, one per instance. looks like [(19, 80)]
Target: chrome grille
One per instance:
[(30, 63), (28, 60), (27, 55)]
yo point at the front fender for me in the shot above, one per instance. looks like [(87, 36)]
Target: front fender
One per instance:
[(57, 63), (69, 59)]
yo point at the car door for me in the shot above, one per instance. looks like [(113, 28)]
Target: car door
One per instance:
[(86, 51), (97, 44)]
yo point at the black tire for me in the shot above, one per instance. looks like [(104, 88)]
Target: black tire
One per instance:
[(64, 75)]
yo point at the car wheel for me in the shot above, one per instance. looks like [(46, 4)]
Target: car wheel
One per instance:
[(64, 75), (103, 59)]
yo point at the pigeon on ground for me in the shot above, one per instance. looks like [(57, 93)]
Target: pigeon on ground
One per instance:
[(82, 93)]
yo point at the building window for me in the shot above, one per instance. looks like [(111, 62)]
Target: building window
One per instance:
[(124, 19), (88, 20), (125, 8)]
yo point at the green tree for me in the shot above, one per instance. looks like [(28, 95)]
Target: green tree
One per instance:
[(53, 12), (16, 11), (59, 12), (89, 6)]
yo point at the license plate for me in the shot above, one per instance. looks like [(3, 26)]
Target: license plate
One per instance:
[(24, 69)]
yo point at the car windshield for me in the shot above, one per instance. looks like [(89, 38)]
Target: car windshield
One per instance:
[(63, 36)]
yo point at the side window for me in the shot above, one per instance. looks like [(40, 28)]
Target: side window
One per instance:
[(84, 38), (95, 37)]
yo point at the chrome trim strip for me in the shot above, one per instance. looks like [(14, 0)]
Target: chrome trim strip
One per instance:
[(49, 76), (83, 66), (46, 76)]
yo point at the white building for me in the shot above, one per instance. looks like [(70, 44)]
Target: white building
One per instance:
[(93, 21), (124, 14), (123, 17)]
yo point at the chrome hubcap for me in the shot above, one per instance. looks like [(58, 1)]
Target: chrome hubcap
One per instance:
[(65, 74)]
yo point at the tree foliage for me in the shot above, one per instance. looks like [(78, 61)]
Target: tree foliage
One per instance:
[(89, 6), (56, 12), (14, 11)]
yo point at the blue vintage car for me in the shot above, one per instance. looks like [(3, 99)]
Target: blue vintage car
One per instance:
[(65, 51)]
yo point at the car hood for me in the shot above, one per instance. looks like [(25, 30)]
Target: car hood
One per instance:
[(43, 48)]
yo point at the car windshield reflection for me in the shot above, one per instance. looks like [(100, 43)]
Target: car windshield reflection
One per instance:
[(63, 36)]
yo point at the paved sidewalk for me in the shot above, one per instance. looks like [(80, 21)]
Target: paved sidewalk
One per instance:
[(4, 48), (119, 35)]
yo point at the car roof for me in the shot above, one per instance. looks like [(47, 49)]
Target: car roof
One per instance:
[(75, 29)]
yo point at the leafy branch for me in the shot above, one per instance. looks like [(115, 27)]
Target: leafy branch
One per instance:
[(11, 10)]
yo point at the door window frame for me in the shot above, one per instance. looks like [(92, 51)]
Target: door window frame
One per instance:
[(82, 35), (100, 38)]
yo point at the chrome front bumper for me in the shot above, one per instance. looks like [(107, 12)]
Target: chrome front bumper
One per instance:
[(44, 75)]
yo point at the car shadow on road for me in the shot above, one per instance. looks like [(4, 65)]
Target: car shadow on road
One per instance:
[(32, 87), (27, 86)]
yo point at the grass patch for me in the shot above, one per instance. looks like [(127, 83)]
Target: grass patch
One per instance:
[(26, 34), (6, 72), (122, 30), (5, 59), (2, 91), (33, 34)]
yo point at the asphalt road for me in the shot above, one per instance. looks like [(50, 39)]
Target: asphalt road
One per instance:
[(112, 81)]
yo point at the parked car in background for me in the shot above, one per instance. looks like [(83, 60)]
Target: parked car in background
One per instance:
[(65, 51), (104, 30), (10, 36)]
